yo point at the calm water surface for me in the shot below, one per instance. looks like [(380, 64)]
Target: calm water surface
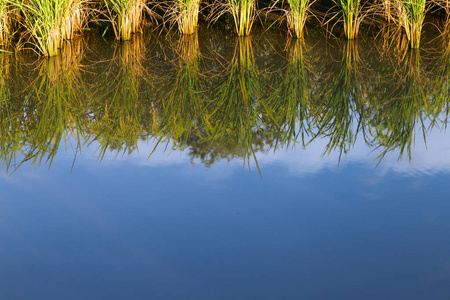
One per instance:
[(213, 167)]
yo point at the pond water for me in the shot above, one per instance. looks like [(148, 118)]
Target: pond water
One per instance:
[(216, 167)]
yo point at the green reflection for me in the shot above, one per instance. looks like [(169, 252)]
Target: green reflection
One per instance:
[(237, 129), (181, 103), (403, 107), (118, 116), (220, 99), (44, 111), (290, 102), (339, 107)]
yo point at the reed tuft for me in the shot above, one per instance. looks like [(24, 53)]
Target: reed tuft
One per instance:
[(126, 16), (243, 12), (296, 16), (187, 15), (46, 22), (6, 22), (74, 20), (351, 14), (408, 14)]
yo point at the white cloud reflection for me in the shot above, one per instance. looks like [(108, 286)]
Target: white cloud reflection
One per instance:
[(425, 159)]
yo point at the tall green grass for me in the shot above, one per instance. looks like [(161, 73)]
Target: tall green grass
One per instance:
[(125, 16), (351, 15), (187, 15), (46, 22), (242, 11), (410, 14), (6, 22), (296, 16)]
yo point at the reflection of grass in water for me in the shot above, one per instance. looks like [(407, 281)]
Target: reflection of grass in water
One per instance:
[(396, 116), (440, 96), (289, 102), (49, 107), (223, 127), (342, 100), (235, 119), (182, 105), (115, 122), (9, 138)]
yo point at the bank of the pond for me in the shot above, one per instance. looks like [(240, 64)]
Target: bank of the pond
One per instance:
[(45, 25)]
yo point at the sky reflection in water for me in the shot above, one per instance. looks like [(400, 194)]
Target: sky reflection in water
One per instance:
[(311, 225)]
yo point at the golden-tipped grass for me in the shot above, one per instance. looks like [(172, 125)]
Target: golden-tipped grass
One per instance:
[(74, 20), (409, 14), (351, 17), (242, 11), (6, 22), (46, 22), (125, 16), (296, 16), (185, 12)]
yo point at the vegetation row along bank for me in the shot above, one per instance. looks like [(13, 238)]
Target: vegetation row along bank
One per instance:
[(46, 24)]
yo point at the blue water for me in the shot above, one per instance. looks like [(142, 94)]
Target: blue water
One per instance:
[(163, 228), (195, 218)]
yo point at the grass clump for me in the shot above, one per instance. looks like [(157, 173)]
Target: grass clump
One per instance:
[(46, 22), (409, 15), (74, 19), (351, 15), (186, 15), (243, 12), (6, 22), (296, 16), (125, 16)]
